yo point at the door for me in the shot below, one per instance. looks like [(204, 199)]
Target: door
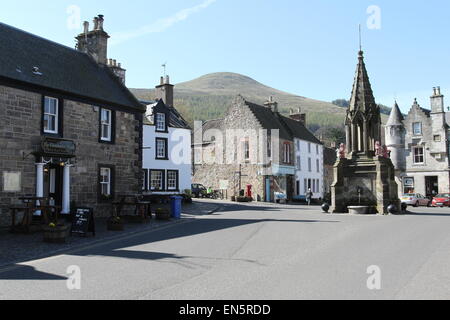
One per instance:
[(268, 190), (53, 184), (431, 187)]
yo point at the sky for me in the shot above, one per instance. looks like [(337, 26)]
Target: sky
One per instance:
[(303, 47)]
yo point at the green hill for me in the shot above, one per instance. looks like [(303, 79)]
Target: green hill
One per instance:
[(209, 96)]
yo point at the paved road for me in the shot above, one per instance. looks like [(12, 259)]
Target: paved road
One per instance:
[(255, 252)]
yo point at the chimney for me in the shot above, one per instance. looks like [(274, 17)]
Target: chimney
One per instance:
[(272, 105), (94, 42), (164, 91), (117, 69), (437, 101), (298, 116)]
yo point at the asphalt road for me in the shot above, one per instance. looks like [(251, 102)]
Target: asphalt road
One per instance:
[(255, 252)]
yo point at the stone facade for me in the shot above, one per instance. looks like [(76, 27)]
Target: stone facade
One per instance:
[(224, 160), (20, 135), (421, 153)]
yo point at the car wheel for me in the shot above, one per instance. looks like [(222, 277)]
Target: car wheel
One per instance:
[(416, 205)]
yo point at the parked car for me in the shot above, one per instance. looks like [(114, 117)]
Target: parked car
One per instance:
[(198, 190), (415, 200), (441, 200)]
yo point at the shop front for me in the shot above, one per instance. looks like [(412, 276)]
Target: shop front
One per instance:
[(54, 160)]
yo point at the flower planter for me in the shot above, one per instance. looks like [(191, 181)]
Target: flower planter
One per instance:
[(57, 234), (162, 214)]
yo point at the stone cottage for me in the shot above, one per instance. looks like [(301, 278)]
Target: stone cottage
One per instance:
[(419, 147), (69, 128), (252, 149)]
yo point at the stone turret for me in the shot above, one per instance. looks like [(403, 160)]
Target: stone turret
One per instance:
[(395, 138)]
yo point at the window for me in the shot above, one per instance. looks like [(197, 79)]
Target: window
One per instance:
[(309, 147), (309, 165), (299, 163), (269, 147), (318, 186), (437, 138), (287, 153), (314, 186), (317, 149), (106, 123), (417, 128), (51, 115), (246, 149), (106, 182), (418, 155), (156, 180), (161, 122), (145, 183), (318, 165), (172, 180), (161, 149)]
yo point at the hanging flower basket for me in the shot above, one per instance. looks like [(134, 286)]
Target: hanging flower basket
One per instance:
[(54, 233)]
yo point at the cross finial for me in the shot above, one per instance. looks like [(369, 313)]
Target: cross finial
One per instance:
[(164, 66)]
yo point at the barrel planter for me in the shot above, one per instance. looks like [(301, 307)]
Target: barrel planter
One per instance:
[(55, 233), (162, 214)]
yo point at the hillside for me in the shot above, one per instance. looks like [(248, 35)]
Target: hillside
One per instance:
[(209, 96)]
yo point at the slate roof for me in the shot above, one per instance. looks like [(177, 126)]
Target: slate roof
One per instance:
[(299, 131), (269, 120), (396, 118), (176, 120), (61, 69)]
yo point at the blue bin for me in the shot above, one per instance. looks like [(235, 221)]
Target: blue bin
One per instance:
[(175, 206)]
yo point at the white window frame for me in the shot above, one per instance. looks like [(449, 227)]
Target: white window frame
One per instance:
[(160, 122), (108, 125), (287, 153), (161, 180), (299, 163), (415, 155), (105, 172), (417, 133), (54, 115), (161, 153), (172, 182), (246, 149)]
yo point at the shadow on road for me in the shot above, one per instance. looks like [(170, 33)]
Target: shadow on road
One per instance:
[(28, 273)]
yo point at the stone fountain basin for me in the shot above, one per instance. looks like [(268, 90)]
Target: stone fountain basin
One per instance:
[(359, 210)]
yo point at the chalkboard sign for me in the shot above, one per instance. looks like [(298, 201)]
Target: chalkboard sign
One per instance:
[(83, 222)]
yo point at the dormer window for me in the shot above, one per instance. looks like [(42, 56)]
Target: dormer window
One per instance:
[(161, 122)]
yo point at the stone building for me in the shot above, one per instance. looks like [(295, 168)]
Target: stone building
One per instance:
[(255, 146), (419, 147), (69, 128)]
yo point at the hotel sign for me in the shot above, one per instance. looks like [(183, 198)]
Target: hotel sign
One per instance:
[(58, 147)]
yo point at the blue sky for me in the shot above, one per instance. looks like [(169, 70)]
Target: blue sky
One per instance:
[(303, 47)]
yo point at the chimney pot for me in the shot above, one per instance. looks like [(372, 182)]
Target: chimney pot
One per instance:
[(96, 23)]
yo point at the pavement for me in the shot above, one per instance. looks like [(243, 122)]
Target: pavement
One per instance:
[(253, 251), (16, 248)]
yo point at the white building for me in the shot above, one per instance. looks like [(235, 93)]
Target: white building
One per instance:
[(167, 154), (309, 158)]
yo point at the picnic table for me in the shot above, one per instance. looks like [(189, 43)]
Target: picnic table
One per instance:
[(142, 208), (29, 207)]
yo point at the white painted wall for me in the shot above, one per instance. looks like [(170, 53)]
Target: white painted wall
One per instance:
[(302, 152), (180, 157)]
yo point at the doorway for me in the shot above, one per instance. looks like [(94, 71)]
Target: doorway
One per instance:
[(431, 186), (53, 179)]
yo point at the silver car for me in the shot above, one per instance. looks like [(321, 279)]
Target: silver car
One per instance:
[(415, 200)]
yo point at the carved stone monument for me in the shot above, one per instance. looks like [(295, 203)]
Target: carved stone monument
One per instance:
[(365, 176)]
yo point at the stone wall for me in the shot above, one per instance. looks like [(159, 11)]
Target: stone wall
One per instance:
[(20, 133)]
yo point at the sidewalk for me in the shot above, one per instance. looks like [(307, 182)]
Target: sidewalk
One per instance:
[(17, 248)]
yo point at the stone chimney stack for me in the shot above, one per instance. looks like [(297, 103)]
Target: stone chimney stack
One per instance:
[(94, 42), (272, 105), (117, 69), (437, 101), (298, 116), (164, 91)]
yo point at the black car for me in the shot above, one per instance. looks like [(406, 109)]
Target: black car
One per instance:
[(198, 190)]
